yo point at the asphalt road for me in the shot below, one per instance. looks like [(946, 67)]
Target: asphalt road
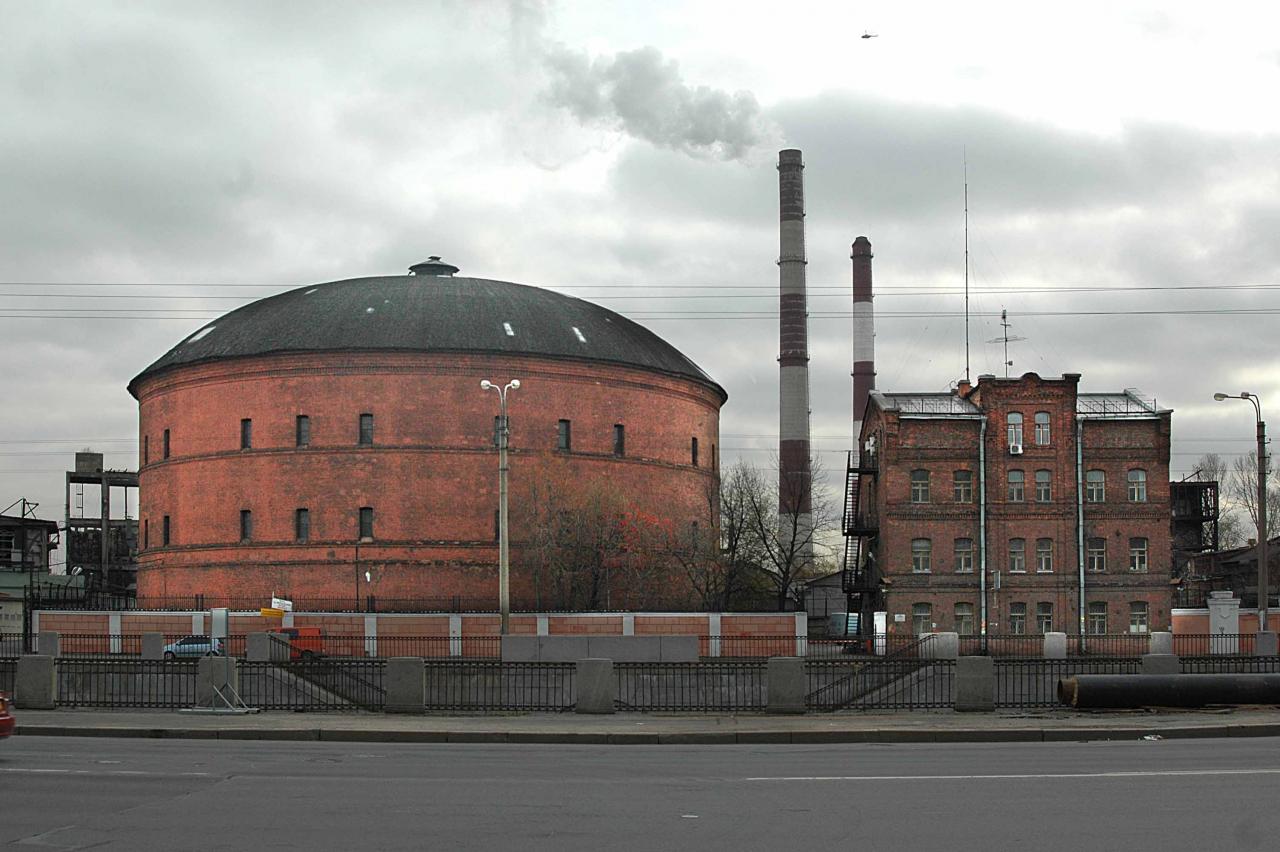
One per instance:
[(130, 794)]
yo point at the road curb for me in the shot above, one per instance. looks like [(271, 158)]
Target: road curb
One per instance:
[(827, 737)]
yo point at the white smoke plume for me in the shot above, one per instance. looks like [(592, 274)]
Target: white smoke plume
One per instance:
[(641, 93)]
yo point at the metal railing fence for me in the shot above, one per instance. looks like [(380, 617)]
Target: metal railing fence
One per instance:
[(1023, 682), (705, 686), (13, 644), (1224, 664), (100, 682), (8, 674), (1208, 644), (493, 685), (314, 685), (902, 683)]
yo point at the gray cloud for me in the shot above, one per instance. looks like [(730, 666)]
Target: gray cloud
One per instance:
[(642, 93)]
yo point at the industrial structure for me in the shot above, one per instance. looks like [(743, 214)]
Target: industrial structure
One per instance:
[(1013, 506), (795, 474), (100, 548), (26, 543), (334, 442)]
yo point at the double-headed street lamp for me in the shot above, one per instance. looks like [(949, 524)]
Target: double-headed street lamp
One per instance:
[(1263, 584), (504, 432)]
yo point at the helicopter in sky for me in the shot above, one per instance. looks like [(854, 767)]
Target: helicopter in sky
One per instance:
[(869, 34)]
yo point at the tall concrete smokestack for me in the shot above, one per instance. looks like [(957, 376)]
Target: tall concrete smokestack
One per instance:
[(795, 479), (864, 334)]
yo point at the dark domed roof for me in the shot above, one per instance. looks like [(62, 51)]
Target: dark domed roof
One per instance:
[(429, 313)]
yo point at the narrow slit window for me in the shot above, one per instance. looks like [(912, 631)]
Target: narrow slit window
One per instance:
[(619, 439), (366, 430), (246, 434), (693, 451)]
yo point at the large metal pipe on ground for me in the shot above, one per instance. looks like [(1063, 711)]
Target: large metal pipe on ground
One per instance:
[(1125, 692)]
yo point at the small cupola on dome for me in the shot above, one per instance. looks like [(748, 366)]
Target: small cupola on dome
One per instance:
[(434, 266)]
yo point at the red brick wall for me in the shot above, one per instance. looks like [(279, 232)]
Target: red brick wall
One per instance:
[(943, 446), (430, 476)]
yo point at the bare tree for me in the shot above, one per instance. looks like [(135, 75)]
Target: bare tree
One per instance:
[(785, 541), (1243, 489)]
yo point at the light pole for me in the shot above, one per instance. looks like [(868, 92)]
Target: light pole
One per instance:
[(1264, 585), (504, 557)]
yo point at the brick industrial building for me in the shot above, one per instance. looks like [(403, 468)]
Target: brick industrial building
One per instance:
[(1062, 496), (334, 440)]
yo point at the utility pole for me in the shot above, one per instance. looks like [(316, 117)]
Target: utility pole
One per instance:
[(504, 554)]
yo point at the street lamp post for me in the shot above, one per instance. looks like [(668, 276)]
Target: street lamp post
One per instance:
[(504, 557), (1264, 585)]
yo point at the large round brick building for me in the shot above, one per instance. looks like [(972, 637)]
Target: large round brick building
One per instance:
[(333, 442)]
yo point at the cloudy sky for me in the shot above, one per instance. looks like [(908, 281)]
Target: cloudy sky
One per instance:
[(164, 162)]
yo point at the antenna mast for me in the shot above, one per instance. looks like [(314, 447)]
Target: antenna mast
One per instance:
[(966, 267), (1006, 339)]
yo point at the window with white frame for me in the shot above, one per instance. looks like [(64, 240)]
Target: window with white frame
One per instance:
[(1139, 617), (964, 556), (1015, 428), (1044, 617), (1097, 618), (1017, 486), (1017, 618), (1042, 428), (962, 486), (1096, 555), (1044, 491), (1044, 555), (1017, 555), (921, 618), (1138, 555), (964, 619), (1137, 486), (919, 486), (1095, 486), (921, 555)]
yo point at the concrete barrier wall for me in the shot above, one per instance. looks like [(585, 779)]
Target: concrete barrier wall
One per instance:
[(620, 649)]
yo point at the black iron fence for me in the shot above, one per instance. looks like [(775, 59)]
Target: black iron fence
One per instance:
[(706, 686), (902, 683), (13, 644), (100, 682), (1223, 664), (1207, 644), (1034, 683), (492, 685), (314, 685), (8, 673)]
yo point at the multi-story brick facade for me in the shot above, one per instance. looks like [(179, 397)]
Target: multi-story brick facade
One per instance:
[(334, 442), (1061, 497)]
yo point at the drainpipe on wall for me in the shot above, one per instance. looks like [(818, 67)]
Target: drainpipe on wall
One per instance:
[(1080, 522), (982, 527)]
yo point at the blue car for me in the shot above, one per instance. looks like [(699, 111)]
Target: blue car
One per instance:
[(193, 646)]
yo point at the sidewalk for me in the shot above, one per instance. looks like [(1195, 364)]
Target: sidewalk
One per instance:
[(635, 729)]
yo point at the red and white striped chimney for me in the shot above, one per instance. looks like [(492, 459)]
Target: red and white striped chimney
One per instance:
[(794, 474), (864, 336)]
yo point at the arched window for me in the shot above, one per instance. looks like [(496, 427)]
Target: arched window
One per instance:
[(962, 486), (1017, 486), (1015, 428), (1095, 486), (1043, 489), (964, 619), (921, 555), (921, 618), (1138, 555), (1044, 555), (964, 555), (919, 486), (1042, 428), (1137, 486), (1017, 555)]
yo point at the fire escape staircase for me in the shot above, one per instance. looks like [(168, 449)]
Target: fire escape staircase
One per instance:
[(856, 526)]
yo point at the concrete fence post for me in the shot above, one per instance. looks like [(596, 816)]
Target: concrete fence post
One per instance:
[(35, 685), (1161, 664), (785, 685), (1265, 645), (49, 643), (216, 673), (1055, 646), (975, 684), (406, 684), (597, 687), (940, 646), (258, 648), (153, 646), (1161, 643)]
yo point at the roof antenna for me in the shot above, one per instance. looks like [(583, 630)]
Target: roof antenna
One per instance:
[(965, 154), (1006, 339)]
